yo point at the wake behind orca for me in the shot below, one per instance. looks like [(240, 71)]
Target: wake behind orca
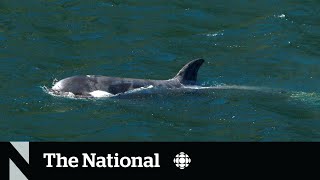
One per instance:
[(93, 85)]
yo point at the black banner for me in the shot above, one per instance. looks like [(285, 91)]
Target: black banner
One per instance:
[(154, 159)]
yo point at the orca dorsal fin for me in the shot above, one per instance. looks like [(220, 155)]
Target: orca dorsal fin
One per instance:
[(188, 74)]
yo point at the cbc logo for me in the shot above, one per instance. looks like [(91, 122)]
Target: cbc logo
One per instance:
[(182, 160)]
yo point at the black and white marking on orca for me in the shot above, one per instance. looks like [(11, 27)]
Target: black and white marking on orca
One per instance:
[(96, 85)]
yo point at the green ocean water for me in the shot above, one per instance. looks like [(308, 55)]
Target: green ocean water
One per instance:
[(262, 69)]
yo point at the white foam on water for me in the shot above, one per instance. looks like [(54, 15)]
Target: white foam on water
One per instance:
[(214, 34), (310, 98), (64, 94), (138, 89), (226, 87), (54, 81)]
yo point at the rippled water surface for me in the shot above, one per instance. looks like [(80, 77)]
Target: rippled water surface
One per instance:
[(262, 69)]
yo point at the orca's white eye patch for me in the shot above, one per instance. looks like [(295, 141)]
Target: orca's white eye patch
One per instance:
[(99, 93)]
